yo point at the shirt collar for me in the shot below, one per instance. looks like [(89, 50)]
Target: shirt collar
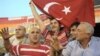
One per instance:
[(90, 42)]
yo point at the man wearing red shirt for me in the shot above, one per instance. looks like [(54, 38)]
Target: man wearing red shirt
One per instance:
[(32, 49)]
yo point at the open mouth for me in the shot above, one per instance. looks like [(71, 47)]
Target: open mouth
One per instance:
[(35, 38)]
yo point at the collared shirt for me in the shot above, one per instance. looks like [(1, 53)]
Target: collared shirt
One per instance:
[(74, 48), (15, 41)]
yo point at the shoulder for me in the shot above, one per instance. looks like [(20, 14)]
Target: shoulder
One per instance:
[(95, 42), (13, 38), (72, 43), (96, 38)]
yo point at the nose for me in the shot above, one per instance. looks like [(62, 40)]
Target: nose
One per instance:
[(35, 34), (75, 32), (52, 24)]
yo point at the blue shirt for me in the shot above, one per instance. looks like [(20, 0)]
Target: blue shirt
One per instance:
[(74, 48)]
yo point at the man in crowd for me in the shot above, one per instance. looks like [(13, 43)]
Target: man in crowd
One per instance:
[(85, 44), (72, 32), (20, 37), (34, 48)]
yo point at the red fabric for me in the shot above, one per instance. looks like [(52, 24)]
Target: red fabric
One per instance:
[(87, 12), (28, 50), (81, 9)]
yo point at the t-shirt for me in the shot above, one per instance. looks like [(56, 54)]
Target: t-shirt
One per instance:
[(28, 50)]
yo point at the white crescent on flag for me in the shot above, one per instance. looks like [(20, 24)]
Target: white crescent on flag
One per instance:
[(48, 5), (59, 18)]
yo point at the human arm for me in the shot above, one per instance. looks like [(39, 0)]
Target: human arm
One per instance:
[(5, 34), (56, 45), (36, 16)]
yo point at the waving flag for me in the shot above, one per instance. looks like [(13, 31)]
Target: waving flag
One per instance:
[(68, 11)]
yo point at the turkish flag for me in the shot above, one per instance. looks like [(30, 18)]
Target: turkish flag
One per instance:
[(87, 13), (68, 11)]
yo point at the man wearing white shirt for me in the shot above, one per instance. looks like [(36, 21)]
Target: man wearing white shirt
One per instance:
[(85, 44), (19, 37)]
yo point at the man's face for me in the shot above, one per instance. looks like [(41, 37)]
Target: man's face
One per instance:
[(34, 35), (54, 25), (20, 31), (81, 32), (73, 31)]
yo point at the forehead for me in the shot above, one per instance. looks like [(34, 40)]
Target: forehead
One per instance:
[(73, 27), (81, 27), (53, 20), (20, 27), (35, 30)]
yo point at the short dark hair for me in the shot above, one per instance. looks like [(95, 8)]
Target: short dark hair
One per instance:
[(75, 24), (51, 17)]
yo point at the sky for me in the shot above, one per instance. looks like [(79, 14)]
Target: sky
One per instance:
[(15, 8)]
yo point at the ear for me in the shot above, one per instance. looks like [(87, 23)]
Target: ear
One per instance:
[(88, 34)]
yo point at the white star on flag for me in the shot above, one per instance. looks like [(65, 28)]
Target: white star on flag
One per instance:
[(66, 10)]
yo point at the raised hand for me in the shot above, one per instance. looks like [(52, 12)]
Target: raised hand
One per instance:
[(5, 33), (55, 42), (31, 3)]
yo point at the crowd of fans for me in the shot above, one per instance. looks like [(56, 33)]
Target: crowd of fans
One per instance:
[(51, 39)]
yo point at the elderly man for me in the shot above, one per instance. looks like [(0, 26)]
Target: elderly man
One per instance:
[(20, 37), (85, 44), (32, 49)]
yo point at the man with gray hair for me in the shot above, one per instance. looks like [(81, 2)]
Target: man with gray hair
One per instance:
[(85, 44)]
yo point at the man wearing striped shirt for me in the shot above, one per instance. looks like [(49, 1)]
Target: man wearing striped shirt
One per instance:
[(32, 49)]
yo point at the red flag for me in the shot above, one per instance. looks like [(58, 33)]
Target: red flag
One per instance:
[(87, 13), (66, 11)]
